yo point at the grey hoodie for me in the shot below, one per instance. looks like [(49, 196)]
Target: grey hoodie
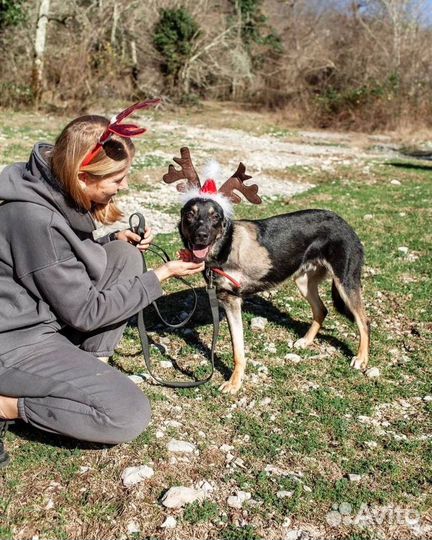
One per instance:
[(50, 263)]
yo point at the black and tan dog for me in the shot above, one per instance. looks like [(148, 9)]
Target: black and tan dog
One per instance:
[(256, 255)]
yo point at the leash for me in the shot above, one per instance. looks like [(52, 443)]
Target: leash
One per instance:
[(139, 229)]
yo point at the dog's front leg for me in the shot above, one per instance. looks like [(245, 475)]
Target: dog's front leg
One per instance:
[(232, 305)]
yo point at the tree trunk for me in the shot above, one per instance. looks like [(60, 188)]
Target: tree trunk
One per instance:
[(134, 65), (116, 16), (39, 50)]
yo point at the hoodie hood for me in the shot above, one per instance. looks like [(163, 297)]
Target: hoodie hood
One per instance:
[(33, 182)]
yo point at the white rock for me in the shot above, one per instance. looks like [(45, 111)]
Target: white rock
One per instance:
[(49, 504), (173, 423), (354, 477), (178, 496), (271, 469), (282, 494), (265, 401), (226, 448), (181, 446), (307, 489), (229, 457), (271, 348), (368, 217), (134, 475), (395, 182), (373, 373), (258, 324), (146, 376), (133, 527), (371, 444), (427, 398), (135, 378), (205, 486), (294, 534), (286, 523), (169, 523), (292, 357), (403, 249), (236, 501), (165, 364), (159, 434), (84, 468)]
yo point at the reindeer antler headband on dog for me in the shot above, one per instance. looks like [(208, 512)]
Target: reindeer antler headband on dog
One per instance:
[(224, 196), (123, 130)]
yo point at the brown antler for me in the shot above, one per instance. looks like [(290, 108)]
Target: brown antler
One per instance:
[(236, 182), (187, 172)]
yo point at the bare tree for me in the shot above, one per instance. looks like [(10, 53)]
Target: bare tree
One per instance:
[(39, 49)]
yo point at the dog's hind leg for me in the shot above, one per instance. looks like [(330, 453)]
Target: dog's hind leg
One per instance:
[(352, 299), (307, 284), (232, 305)]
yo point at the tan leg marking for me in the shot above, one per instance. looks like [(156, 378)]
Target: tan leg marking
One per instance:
[(308, 286), (235, 323), (355, 303)]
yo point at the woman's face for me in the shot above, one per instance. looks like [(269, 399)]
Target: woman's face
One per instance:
[(101, 190)]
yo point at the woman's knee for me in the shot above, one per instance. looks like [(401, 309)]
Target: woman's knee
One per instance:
[(126, 256), (127, 420)]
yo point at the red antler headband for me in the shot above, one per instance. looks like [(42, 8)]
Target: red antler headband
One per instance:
[(123, 130)]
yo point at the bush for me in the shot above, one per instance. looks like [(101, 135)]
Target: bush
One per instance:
[(174, 36)]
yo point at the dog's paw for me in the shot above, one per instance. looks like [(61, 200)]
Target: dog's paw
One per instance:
[(358, 363), (230, 387), (302, 343)]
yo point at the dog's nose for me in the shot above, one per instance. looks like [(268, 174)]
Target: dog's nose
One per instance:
[(202, 237)]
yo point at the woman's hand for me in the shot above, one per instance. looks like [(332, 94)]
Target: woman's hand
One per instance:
[(135, 239), (178, 269)]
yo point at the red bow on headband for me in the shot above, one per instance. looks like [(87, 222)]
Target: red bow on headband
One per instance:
[(123, 130)]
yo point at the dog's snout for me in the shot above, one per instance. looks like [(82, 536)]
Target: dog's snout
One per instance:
[(202, 237)]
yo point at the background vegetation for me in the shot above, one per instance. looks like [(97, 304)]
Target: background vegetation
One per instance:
[(358, 65)]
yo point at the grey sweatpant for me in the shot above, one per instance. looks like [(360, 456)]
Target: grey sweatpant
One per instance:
[(62, 386)]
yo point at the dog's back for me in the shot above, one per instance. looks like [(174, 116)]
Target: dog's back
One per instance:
[(299, 240)]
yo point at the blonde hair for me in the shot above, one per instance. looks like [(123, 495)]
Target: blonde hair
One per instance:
[(74, 143)]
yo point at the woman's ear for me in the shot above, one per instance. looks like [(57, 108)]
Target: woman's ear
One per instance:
[(83, 180)]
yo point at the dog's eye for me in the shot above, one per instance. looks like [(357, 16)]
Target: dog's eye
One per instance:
[(215, 218), (190, 216)]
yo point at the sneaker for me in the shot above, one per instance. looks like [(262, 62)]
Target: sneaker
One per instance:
[(4, 456)]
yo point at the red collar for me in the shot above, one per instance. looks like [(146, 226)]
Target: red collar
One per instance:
[(224, 274), (186, 255)]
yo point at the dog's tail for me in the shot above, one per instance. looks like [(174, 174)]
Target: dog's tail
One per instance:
[(340, 305)]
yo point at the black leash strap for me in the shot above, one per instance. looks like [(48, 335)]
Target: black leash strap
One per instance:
[(146, 346), (214, 307)]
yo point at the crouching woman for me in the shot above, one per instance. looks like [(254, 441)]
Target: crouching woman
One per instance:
[(65, 298)]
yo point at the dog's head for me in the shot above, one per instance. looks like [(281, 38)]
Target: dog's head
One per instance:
[(202, 224)]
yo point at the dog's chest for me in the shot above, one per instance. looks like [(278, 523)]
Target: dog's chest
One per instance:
[(248, 261)]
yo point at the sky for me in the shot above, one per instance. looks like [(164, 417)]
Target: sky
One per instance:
[(426, 14)]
